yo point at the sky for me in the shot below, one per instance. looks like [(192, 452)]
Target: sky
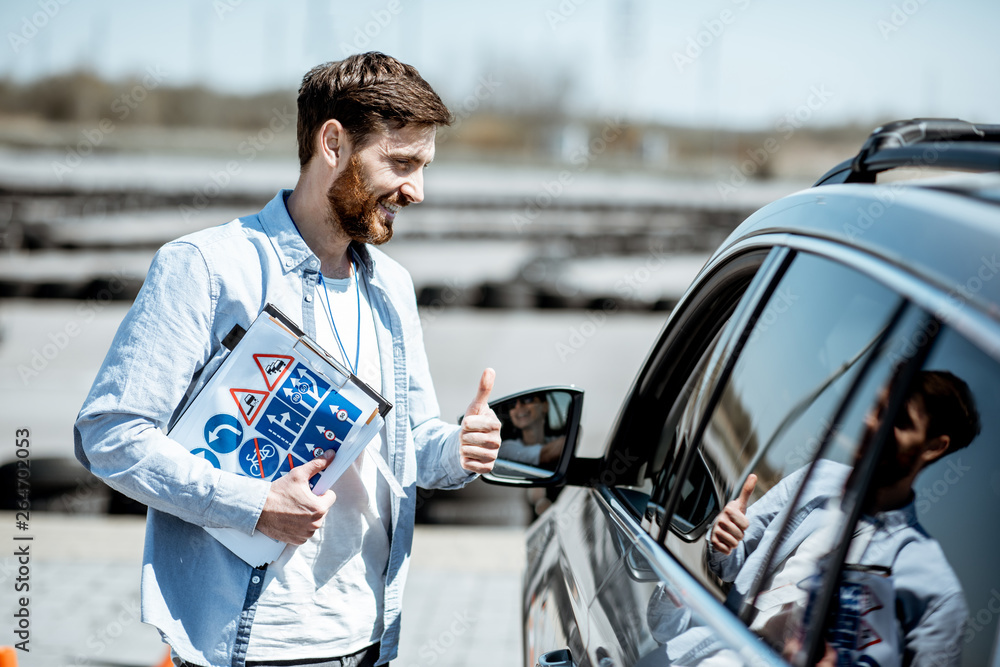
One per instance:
[(749, 64)]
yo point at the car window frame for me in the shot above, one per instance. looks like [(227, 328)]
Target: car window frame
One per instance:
[(966, 318), (744, 272), (730, 352), (936, 299), (732, 349)]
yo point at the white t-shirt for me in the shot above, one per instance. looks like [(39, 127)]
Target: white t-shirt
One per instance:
[(325, 597)]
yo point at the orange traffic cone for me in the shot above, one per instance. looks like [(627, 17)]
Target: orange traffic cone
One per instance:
[(8, 656), (166, 662)]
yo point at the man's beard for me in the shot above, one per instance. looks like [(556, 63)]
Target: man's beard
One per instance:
[(890, 469), (354, 206)]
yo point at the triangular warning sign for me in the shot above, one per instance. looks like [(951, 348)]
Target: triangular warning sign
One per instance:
[(867, 636), (869, 601), (250, 401), (273, 367)]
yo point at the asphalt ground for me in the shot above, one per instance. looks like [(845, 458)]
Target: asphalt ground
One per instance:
[(461, 604)]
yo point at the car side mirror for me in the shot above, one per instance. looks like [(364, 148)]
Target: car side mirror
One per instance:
[(539, 431)]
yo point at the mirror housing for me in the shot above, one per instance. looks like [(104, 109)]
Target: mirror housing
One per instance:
[(539, 432)]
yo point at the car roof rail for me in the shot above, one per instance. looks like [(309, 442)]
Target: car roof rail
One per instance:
[(944, 143)]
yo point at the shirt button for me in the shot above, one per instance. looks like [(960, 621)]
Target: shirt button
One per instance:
[(288, 262), (309, 297), (256, 579)]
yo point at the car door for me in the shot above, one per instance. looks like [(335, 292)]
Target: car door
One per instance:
[(759, 399), (789, 400), (577, 547)]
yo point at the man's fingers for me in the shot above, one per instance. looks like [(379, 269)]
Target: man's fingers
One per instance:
[(484, 440), (318, 464), (727, 535), (477, 466), (480, 439), (483, 423), (485, 451), (748, 487), (480, 404), (327, 500), (723, 541), (719, 546)]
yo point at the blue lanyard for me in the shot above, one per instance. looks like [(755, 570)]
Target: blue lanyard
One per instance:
[(329, 312)]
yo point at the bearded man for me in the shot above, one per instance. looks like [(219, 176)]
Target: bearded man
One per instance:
[(366, 128)]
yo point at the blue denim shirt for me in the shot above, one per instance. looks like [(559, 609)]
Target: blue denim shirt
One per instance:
[(199, 595)]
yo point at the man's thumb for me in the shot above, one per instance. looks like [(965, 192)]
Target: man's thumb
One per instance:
[(748, 487), (481, 403), (319, 463)]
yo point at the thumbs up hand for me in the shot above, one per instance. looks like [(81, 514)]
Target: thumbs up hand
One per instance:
[(732, 520), (480, 437)]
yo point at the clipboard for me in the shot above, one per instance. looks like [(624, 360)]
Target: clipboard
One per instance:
[(278, 401)]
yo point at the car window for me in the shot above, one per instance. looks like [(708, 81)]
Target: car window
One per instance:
[(921, 563), (807, 346), (637, 456), (916, 577), (699, 495), (917, 581), (774, 565), (801, 354)]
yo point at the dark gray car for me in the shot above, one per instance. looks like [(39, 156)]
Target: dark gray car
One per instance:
[(806, 468)]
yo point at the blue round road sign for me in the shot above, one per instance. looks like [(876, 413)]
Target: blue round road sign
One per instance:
[(223, 433)]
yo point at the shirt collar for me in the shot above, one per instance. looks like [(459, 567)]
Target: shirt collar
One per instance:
[(903, 517), (288, 244), (292, 251)]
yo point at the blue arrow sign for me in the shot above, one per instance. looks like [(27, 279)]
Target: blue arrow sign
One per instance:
[(223, 433)]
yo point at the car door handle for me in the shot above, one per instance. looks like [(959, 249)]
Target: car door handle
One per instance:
[(560, 658)]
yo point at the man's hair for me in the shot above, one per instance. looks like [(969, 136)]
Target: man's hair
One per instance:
[(368, 93), (949, 405)]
